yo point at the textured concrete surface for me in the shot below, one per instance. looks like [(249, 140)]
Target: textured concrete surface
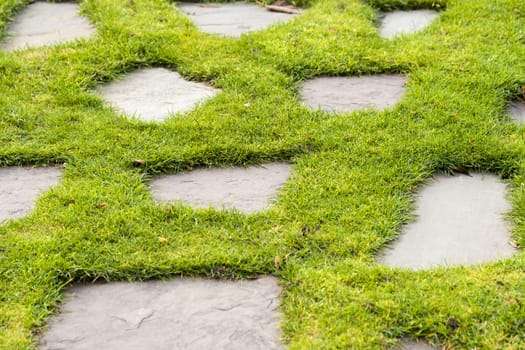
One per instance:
[(412, 345), (20, 188), (460, 221), (152, 94), (43, 23), (517, 111), (346, 94), (248, 189), (405, 22), (231, 19), (164, 315)]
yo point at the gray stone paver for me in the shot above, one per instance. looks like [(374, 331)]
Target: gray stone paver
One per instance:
[(346, 94), (405, 22), (248, 189), (412, 345), (177, 314), (517, 111), (20, 188), (460, 221), (232, 19), (153, 94), (43, 23)]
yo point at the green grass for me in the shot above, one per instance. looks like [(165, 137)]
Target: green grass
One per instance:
[(354, 174)]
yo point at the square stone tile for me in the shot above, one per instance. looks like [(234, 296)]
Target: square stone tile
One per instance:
[(405, 22), (153, 94), (248, 189), (517, 111), (159, 315), (46, 23)]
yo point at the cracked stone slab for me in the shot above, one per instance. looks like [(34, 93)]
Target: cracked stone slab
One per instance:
[(405, 22), (460, 221), (412, 345), (153, 94), (517, 111), (20, 188), (232, 19), (44, 23), (248, 189), (177, 314), (346, 94)]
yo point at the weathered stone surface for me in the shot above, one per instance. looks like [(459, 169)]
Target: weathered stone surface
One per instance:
[(517, 111), (177, 314), (405, 22), (152, 94), (246, 189), (43, 23), (460, 221), (20, 188), (346, 94), (412, 345), (232, 19)]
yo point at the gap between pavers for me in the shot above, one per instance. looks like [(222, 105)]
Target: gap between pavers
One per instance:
[(20, 188), (517, 111), (232, 19), (176, 314), (460, 221), (153, 94), (347, 94), (404, 22), (248, 190), (43, 23)]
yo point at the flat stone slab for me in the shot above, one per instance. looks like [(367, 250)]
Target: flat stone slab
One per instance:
[(412, 345), (404, 22), (44, 23), (20, 188), (153, 94), (460, 221), (347, 94), (517, 111), (232, 19), (248, 189), (177, 314)]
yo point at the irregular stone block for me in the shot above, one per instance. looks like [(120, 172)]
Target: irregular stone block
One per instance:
[(44, 23), (346, 94), (20, 188), (246, 189), (232, 19), (517, 111), (153, 94), (178, 314), (405, 22), (460, 222)]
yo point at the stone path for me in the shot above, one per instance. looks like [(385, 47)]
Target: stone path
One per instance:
[(233, 19), (245, 189), (412, 345), (20, 188), (459, 218), (43, 23), (460, 221), (178, 314), (346, 94), (405, 22), (153, 94)]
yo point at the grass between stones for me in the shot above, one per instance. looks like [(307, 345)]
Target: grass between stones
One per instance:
[(350, 193)]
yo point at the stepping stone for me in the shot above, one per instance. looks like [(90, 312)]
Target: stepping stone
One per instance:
[(231, 19), (346, 94), (43, 23), (412, 345), (460, 221), (245, 189), (404, 22), (20, 188), (178, 314), (153, 94), (517, 111)]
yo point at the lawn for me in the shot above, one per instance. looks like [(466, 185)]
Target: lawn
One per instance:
[(350, 193)]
